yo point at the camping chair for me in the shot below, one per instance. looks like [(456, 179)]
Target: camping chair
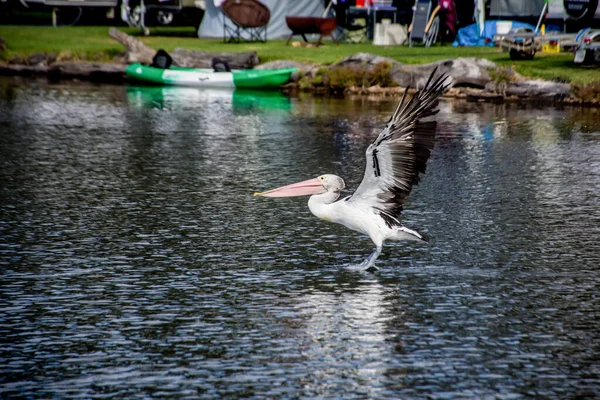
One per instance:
[(245, 20), (425, 24)]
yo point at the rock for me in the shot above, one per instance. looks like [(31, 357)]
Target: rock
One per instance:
[(364, 60), (16, 60), (37, 59), (303, 68), (480, 95), (41, 59), (538, 89), (462, 71)]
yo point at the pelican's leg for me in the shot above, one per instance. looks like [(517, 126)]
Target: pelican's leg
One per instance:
[(369, 263)]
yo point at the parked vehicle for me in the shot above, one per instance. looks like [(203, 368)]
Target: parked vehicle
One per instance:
[(137, 13), (587, 49)]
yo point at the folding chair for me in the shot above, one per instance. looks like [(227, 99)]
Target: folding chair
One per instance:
[(350, 28), (245, 21), (425, 24)]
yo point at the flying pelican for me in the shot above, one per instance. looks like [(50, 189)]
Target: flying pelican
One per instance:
[(394, 161)]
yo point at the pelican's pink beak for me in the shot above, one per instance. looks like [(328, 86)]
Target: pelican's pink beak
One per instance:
[(305, 188)]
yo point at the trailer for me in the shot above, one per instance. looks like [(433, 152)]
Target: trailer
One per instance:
[(523, 43)]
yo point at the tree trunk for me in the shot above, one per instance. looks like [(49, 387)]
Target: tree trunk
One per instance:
[(203, 59), (139, 52), (136, 50)]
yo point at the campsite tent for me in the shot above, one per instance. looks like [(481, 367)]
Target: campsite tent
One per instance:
[(212, 23)]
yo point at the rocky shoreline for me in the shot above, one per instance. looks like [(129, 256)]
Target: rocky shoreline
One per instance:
[(472, 79)]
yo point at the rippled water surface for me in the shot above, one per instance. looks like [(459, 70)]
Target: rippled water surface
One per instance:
[(135, 262)]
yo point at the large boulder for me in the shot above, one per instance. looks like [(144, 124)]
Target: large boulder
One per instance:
[(41, 59), (461, 71), (538, 88)]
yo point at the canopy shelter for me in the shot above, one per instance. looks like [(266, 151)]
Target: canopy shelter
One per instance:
[(563, 9), (502, 9), (579, 13)]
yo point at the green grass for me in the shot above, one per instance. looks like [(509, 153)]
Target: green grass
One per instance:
[(88, 43)]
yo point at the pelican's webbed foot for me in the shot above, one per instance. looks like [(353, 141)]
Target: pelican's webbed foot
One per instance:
[(369, 263)]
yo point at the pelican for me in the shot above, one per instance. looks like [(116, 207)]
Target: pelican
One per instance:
[(394, 161)]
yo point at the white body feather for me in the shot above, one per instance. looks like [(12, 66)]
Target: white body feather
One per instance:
[(363, 219)]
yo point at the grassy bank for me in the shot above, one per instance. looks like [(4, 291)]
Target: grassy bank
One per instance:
[(93, 43)]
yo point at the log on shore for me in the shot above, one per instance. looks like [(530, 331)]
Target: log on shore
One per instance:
[(23, 70), (203, 59), (136, 51), (91, 71)]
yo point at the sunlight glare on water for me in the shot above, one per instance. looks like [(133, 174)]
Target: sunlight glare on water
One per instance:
[(135, 262)]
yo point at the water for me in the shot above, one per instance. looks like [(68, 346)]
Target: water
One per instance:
[(135, 262)]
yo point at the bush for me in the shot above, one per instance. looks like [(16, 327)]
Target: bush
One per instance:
[(500, 75), (586, 92), (338, 79)]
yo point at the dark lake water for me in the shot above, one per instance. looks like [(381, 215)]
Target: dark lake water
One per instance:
[(135, 262)]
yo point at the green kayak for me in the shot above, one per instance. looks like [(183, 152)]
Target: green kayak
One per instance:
[(199, 77)]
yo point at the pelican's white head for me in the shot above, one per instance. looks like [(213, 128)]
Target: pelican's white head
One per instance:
[(323, 184), (332, 183)]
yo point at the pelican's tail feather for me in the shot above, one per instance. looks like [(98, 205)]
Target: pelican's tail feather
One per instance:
[(404, 233)]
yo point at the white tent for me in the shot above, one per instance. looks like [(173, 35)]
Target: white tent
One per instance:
[(516, 8), (212, 22), (530, 8)]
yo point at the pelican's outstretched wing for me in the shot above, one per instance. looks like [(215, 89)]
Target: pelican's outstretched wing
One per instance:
[(400, 152)]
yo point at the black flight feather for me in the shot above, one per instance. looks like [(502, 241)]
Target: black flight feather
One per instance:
[(400, 152)]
